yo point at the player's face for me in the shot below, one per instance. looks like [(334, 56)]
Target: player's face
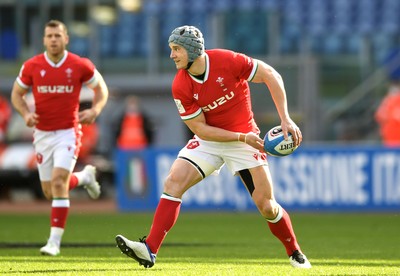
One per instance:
[(179, 55), (55, 40)]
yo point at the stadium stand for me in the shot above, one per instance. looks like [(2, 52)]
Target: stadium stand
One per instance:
[(326, 26)]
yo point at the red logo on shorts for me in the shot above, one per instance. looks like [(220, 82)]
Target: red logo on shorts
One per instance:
[(193, 144), (262, 156), (39, 158)]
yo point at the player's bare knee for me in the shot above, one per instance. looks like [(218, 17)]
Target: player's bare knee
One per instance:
[(58, 184), (269, 209), (268, 212), (173, 186), (168, 183)]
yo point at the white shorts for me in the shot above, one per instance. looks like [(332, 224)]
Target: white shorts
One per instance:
[(209, 157), (55, 149)]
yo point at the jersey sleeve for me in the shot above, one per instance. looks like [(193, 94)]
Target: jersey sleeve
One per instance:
[(244, 67), (89, 76), (24, 78), (183, 97)]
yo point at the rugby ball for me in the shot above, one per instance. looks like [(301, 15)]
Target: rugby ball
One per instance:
[(275, 143)]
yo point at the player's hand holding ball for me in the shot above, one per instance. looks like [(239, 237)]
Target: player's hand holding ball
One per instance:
[(275, 143)]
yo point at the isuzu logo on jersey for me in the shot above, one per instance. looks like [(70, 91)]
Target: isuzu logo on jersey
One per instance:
[(55, 88), (218, 102)]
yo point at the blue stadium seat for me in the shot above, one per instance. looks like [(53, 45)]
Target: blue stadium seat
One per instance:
[(130, 34), (333, 44), (248, 5), (107, 38), (9, 44), (334, 26), (200, 7), (343, 5), (197, 19), (171, 21), (270, 5), (390, 23), (353, 43), (367, 5), (342, 19), (366, 17), (390, 5), (293, 12), (365, 24), (246, 31), (125, 48), (173, 6), (382, 44), (342, 24), (317, 21), (151, 8), (222, 5), (344, 9), (291, 34), (79, 45)]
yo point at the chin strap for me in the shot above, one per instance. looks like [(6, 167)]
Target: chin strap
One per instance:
[(189, 65)]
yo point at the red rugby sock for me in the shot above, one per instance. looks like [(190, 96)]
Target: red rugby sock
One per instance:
[(283, 230), (59, 212), (73, 182), (166, 214)]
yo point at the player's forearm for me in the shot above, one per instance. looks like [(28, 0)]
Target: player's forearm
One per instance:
[(19, 103), (273, 80), (278, 94), (280, 102), (210, 133), (100, 98)]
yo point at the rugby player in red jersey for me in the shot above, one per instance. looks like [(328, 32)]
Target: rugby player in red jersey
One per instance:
[(212, 95), (56, 78)]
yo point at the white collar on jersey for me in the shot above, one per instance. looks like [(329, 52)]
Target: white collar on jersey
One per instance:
[(58, 64), (206, 72)]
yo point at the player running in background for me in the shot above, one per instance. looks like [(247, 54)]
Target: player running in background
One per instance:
[(212, 95), (56, 77)]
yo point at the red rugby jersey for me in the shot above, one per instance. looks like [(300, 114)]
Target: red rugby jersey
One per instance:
[(224, 94), (56, 88)]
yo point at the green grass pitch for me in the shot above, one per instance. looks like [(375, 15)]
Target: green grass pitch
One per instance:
[(205, 244)]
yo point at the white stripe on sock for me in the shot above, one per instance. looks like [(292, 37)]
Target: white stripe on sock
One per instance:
[(60, 202), (278, 216), (171, 198)]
